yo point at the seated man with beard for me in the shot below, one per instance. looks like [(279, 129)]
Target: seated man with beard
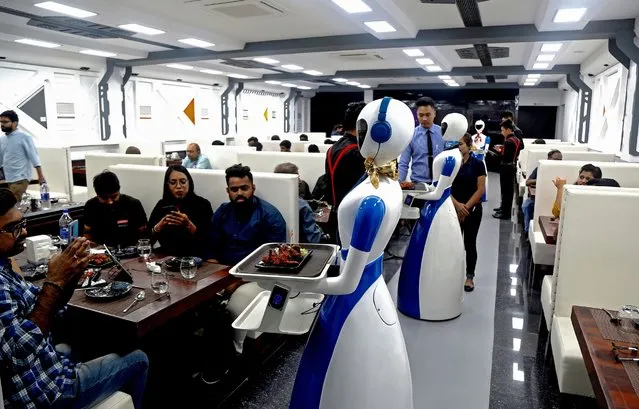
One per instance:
[(237, 229)]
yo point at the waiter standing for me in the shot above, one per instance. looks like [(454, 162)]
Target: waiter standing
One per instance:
[(426, 144), (508, 169)]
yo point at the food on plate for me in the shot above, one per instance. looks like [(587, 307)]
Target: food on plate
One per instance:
[(285, 255), (99, 259)]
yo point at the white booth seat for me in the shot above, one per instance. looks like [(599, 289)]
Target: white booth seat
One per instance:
[(313, 137), (595, 265), (222, 157), (146, 184), (274, 146), (56, 165), (118, 400), (98, 163), (534, 156), (522, 162), (147, 147), (627, 174), (311, 165)]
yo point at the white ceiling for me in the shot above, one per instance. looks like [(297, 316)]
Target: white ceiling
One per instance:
[(298, 19)]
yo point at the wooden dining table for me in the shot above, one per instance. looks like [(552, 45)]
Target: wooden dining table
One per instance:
[(610, 381), (548, 228)]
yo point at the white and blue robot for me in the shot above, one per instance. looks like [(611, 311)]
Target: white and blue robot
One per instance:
[(433, 272), (356, 356), (481, 143)]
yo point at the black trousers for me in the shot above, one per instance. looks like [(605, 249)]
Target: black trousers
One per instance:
[(507, 174), (470, 228)]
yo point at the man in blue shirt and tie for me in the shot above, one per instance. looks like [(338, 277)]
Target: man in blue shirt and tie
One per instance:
[(426, 144)]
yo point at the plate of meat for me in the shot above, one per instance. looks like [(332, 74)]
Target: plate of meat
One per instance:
[(285, 258), (100, 260)]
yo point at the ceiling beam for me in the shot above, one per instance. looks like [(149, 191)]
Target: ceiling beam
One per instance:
[(595, 30), (436, 86)]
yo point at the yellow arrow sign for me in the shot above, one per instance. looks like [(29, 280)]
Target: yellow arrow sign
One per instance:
[(266, 114), (189, 111)]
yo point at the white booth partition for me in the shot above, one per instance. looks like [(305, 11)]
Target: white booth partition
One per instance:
[(148, 147), (97, 163), (146, 184), (523, 156), (310, 165), (221, 156), (56, 165)]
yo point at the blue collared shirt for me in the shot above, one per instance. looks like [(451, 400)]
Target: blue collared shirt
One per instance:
[(232, 239), (201, 163), (309, 230), (18, 156), (417, 151), (36, 374)]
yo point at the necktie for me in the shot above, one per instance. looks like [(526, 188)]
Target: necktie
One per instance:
[(429, 144)]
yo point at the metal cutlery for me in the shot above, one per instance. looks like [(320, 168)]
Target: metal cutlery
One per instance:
[(138, 297)]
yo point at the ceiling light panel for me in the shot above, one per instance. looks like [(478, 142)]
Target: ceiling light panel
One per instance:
[(273, 82), (569, 15), (212, 72), (353, 6), (364, 86), (180, 66), (534, 76), (551, 48), (434, 68), (413, 52), (240, 76), (288, 84), (545, 57), (98, 53), (313, 73), (37, 43), (381, 26), (137, 28), (340, 80), (425, 61), (353, 83), (196, 43), (541, 66), (303, 87), (445, 77), (62, 9), (266, 60), (292, 67)]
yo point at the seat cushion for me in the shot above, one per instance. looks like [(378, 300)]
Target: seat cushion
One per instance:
[(569, 364), (80, 194), (118, 400), (542, 253), (547, 299)]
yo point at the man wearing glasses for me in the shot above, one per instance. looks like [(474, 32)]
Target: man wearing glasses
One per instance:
[(37, 374), (18, 155)]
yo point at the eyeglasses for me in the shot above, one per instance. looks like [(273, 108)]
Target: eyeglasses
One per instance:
[(182, 182), (243, 188), (14, 228)]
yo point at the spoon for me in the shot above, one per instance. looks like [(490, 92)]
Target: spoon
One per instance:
[(138, 297)]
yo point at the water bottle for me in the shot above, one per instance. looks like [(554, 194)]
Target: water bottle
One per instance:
[(45, 200), (65, 230)]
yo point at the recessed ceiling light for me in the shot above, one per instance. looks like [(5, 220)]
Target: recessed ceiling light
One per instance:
[(534, 76), (381, 26), (313, 72), (413, 52), (434, 68), (240, 76), (180, 66), (541, 66), (212, 72), (364, 86), (340, 80), (546, 57), (273, 82), (303, 87), (62, 9), (288, 84), (98, 53), (530, 84), (445, 77), (353, 6), (353, 83), (569, 15), (37, 43), (425, 61), (137, 28), (266, 60), (196, 43), (450, 81), (292, 67), (551, 48), (453, 85)]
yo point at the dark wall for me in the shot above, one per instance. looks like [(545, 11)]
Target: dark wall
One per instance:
[(327, 109), (537, 122)]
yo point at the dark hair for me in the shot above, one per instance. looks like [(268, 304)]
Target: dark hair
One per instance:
[(312, 148), (328, 141), (133, 150), (337, 126), (552, 152), (352, 113), (287, 167), (275, 138), (7, 199), (106, 183), (508, 124), (539, 142), (217, 143), (508, 115), (595, 170), (425, 102), (467, 140), (238, 171), (603, 182), (259, 147), (252, 139), (13, 117), (286, 143), (177, 168), (303, 137)]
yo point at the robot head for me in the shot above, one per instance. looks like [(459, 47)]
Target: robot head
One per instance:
[(454, 126), (479, 126), (384, 128)]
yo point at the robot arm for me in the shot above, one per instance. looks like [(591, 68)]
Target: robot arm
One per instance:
[(367, 223), (487, 144), (445, 180)]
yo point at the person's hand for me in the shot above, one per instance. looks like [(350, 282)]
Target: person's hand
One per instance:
[(177, 219), (462, 211), (559, 182), (67, 267), (499, 148)]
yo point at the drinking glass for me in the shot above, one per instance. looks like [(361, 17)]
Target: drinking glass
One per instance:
[(627, 314), (188, 267), (144, 248), (159, 281)]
